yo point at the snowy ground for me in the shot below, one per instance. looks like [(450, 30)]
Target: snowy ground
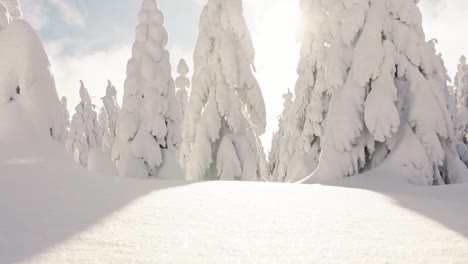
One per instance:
[(59, 213)]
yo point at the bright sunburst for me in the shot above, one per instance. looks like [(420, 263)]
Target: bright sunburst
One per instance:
[(274, 26)]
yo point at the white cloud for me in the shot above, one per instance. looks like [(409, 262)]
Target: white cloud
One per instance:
[(34, 11), (70, 12), (273, 24), (446, 21), (94, 69)]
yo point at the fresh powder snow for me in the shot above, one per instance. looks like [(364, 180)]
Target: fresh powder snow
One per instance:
[(367, 80)]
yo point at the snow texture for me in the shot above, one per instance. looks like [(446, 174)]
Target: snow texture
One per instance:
[(226, 113), (89, 218), (150, 119), (100, 161)]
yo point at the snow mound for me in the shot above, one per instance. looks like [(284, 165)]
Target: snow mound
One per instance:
[(29, 104), (100, 161), (49, 216)]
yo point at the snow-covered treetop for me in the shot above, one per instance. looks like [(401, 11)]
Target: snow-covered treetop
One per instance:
[(226, 110), (112, 108), (150, 118), (14, 8), (224, 37), (182, 68), (461, 83), (182, 82), (287, 103), (84, 95), (26, 80), (110, 90)]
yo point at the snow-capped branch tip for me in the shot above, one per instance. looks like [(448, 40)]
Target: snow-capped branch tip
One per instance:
[(288, 95), (182, 68), (149, 5), (14, 8), (462, 59)]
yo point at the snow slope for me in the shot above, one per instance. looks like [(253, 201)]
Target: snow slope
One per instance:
[(56, 212)]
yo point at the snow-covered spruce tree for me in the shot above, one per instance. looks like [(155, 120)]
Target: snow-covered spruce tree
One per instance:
[(106, 136), (461, 83), (226, 112), (84, 134), (460, 90), (149, 124), (280, 150), (112, 109), (389, 98), (182, 84), (312, 94)]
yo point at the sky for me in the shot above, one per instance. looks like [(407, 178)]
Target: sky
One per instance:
[(91, 40)]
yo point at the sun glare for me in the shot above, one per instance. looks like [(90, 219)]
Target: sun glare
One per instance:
[(274, 35)]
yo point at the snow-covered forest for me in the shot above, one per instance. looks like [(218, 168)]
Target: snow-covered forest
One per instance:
[(368, 161)]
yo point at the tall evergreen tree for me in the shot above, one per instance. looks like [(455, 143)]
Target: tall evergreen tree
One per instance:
[(461, 83), (106, 136), (460, 91), (84, 134), (226, 112), (112, 109), (310, 107), (280, 152), (385, 79), (149, 121)]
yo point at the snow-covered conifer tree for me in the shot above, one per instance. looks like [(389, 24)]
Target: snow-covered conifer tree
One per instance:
[(148, 128), (84, 134), (461, 83), (310, 106), (226, 112), (28, 97), (105, 131), (386, 80), (182, 84), (280, 150), (460, 90), (112, 109)]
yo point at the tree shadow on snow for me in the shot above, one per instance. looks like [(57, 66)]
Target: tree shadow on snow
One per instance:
[(447, 205), (42, 205)]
